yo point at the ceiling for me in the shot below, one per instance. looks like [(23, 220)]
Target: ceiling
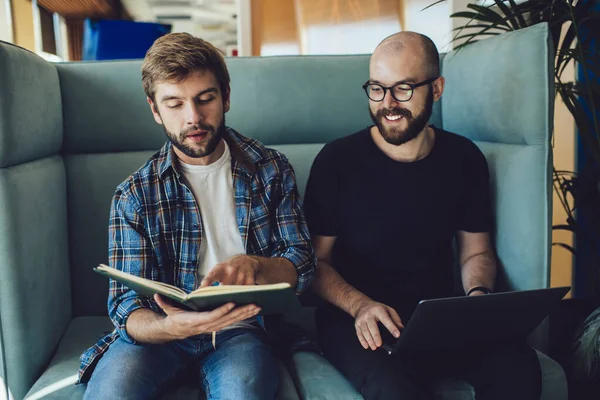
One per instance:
[(212, 20)]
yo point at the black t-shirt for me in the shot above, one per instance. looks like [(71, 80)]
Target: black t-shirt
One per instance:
[(395, 222)]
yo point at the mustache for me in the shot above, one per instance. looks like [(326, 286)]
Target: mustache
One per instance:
[(394, 111), (198, 127)]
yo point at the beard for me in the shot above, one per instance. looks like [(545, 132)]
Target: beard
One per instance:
[(213, 138), (415, 124)]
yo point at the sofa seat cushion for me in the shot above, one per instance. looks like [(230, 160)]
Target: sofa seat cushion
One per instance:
[(314, 376), (58, 381)]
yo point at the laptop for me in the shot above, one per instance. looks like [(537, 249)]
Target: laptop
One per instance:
[(470, 322)]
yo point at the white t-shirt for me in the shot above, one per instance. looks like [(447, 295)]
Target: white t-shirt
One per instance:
[(212, 186)]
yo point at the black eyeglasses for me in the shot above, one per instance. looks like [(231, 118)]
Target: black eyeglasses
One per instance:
[(400, 91)]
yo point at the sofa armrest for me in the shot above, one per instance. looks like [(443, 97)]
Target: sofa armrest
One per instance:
[(317, 379)]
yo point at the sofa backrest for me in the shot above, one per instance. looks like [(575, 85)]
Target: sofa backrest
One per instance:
[(35, 292), (70, 133), (500, 94)]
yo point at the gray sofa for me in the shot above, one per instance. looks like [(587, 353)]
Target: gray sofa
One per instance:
[(69, 133)]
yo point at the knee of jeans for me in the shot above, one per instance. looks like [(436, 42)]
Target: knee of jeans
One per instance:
[(243, 387), (103, 390), (246, 381), (122, 375)]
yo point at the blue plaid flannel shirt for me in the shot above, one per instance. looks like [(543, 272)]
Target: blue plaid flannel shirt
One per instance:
[(155, 227)]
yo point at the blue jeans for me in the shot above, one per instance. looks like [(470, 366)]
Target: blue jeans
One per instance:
[(242, 367)]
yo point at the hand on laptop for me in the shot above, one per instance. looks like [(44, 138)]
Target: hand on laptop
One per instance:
[(366, 317), (477, 293)]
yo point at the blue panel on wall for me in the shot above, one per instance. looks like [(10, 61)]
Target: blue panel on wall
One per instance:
[(113, 40)]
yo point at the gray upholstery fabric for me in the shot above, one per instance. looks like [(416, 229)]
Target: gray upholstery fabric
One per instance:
[(301, 157), (522, 227), (91, 183), (30, 107), (105, 109), (35, 294), (502, 99), (487, 102), (111, 118)]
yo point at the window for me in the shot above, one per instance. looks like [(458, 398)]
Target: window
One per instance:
[(6, 28)]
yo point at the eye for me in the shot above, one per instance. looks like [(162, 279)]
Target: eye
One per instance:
[(402, 87), (205, 100), (174, 105), (375, 88)]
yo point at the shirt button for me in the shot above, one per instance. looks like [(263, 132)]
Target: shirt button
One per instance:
[(196, 226)]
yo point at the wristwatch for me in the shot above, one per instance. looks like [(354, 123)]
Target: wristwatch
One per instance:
[(482, 289)]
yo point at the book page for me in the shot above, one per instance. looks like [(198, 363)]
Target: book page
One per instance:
[(223, 289)]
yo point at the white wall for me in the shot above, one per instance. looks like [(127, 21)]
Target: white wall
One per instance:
[(433, 22), (360, 37), (6, 27)]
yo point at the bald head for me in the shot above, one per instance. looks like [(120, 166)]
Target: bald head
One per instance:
[(410, 44)]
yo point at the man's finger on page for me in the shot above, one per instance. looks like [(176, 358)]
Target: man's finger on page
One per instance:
[(238, 279), (209, 279)]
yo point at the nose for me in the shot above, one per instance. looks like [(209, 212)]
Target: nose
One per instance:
[(389, 101), (193, 116)]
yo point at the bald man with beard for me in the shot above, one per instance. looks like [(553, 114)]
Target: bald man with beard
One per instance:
[(384, 206)]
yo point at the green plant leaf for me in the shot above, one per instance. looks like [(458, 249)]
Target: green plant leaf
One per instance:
[(565, 246), (564, 228), (565, 49), (482, 32), (488, 13), (475, 17), (511, 18), (474, 35), (434, 4), (473, 26), (518, 14)]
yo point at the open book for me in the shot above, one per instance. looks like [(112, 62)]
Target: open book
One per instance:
[(273, 299)]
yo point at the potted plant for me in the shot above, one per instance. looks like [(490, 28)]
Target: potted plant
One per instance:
[(575, 29)]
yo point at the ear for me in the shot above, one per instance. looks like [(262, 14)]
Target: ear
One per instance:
[(438, 88), (154, 109), (227, 99)]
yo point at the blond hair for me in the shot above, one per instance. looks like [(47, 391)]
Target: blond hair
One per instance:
[(174, 56)]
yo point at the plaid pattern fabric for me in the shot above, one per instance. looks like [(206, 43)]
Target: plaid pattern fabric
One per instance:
[(155, 227)]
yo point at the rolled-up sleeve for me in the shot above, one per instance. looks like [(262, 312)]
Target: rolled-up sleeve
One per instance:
[(291, 233), (129, 250)]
